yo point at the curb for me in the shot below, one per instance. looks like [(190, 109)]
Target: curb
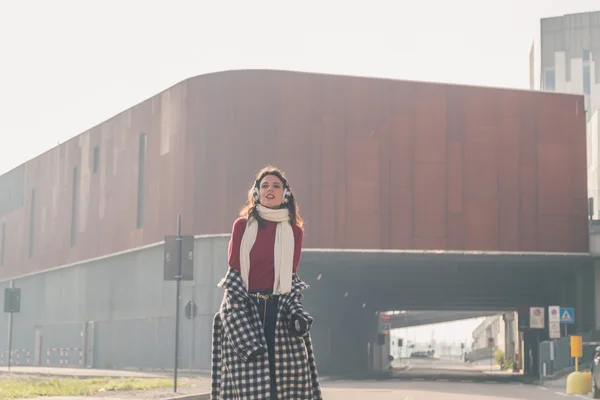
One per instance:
[(92, 376), (203, 396)]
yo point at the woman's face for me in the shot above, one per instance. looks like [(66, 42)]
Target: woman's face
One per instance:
[(271, 191)]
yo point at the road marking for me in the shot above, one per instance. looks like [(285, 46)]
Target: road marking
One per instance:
[(542, 388), (561, 394)]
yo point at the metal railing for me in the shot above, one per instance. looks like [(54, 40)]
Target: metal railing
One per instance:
[(479, 354), (555, 355)]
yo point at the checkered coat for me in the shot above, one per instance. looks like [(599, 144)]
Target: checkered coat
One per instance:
[(238, 333)]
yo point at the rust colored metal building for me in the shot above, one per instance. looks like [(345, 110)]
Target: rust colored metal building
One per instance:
[(375, 164)]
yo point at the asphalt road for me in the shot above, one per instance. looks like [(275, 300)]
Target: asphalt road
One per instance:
[(424, 380)]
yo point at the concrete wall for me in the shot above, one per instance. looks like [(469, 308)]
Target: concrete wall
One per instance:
[(121, 307), (117, 312), (497, 327)]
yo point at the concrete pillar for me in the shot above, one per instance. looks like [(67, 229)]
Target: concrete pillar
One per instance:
[(531, 352), (579, 301), (509, 334), (341, 341), (381, 352)]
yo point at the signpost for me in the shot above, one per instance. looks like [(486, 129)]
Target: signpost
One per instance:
[(554, 322), (12, 304), (491, 346), (178, 266)]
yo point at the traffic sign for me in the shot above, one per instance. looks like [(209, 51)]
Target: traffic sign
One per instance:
[(385, 324), (12, 300), (554, 330), (174, 247), (554, 314), (567, 315), (191, 310), (536, 318)]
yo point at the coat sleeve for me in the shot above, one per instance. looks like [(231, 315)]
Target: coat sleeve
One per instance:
[(242, 335), (216, 357), (299, 319)]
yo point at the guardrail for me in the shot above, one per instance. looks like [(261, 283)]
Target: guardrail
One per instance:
[(64, 356), (15, 357), (479, 355)]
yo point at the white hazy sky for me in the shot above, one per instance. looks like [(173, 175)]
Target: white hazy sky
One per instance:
[(67, 65), (449, 332)]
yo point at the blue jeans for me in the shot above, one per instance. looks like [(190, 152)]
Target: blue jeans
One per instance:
[(269, 320)]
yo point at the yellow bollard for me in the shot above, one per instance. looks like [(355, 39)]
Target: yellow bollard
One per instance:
[(588, 379), (578, 383)]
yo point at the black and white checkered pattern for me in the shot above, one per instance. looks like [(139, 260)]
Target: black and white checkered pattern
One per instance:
[(238, 333)]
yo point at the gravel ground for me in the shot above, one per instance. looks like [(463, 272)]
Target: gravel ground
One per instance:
[(185, 386)]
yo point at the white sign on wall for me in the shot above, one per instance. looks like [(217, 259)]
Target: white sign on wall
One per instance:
[(554, 322), (536, 317), (554, 314), (554, 328)]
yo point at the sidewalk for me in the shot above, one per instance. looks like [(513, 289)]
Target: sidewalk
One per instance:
[(86, 372), (184, 397), (493, 369), (555, 383)]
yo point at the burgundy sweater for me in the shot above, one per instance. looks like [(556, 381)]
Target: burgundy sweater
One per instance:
[(262, 257)]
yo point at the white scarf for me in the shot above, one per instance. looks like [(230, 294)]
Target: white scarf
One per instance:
[(284, 247)]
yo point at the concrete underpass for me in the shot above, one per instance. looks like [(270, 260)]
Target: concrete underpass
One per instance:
[(126, 292), (348, 288), (417, 318)]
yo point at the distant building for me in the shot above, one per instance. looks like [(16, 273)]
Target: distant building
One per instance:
[(567, 53), (568, 45), (593, 151)]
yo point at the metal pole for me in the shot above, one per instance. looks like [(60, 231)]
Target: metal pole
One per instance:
[(10, 330), (541, 365), (178, 280), (192, 339)]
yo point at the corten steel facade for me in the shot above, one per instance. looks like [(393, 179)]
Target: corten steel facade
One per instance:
[(375, 164)]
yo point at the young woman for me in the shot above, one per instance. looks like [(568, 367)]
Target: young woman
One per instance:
[(261, 342)]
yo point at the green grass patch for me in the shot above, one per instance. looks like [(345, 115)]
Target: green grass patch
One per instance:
[(24, 387)]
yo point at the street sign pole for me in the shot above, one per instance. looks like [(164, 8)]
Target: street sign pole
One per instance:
[(178, 269), (192, 339), (10, 331), (178, 283)]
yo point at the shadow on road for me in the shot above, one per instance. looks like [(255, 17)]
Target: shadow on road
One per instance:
[(451, 378)]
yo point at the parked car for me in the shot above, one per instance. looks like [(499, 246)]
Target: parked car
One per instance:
[(596, 374)]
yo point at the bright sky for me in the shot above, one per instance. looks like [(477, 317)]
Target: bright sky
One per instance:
[(449, 332), (67, 65)]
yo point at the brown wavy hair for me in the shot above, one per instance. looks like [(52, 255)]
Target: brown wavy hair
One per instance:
[(249, 208)]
